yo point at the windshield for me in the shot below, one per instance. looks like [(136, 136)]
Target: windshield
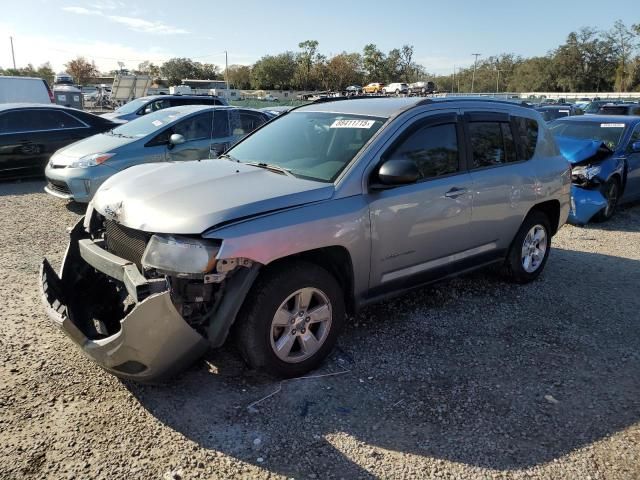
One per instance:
[(133, 105), (553, 114), (608, 133), (315, 145), (593, 107), (148, 124)]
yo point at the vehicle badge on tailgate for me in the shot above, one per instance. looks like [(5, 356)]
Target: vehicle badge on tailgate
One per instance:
[(113, 211)]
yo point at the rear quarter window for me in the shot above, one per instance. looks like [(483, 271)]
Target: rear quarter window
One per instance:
[(527, 131)]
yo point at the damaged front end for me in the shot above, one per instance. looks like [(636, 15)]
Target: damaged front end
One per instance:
[(592, 163), (121, 298)]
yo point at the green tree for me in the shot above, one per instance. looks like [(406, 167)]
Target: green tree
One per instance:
[(306, 59), (373, 61), (622, 39), (81, 70), (274, 71), (177, 69), (239, 76)]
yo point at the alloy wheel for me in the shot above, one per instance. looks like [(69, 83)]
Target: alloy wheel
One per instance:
[(301, 325), (534, 248)]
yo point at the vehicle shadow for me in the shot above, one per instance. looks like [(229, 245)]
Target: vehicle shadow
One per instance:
[(476, 371), (21, 187)]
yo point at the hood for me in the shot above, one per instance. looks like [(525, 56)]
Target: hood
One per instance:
[(577, 150), (100, 143), (191, 197)]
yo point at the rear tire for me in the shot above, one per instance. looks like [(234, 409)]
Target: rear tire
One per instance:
[(291, 319), (529, 250), (611, 193)]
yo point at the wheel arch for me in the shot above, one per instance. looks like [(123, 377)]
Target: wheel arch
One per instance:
[(550, 208), (336, 260)]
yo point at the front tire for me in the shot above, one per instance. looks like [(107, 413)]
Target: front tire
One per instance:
[(611, 193), (530, 249), (291, 319)]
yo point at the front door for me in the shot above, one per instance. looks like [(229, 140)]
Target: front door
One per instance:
[(196, 131), (419, 230)]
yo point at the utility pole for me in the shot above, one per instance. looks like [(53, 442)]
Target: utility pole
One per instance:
[(453, 80), (13, 55), (475, 64), (226, 71), (498, 80)]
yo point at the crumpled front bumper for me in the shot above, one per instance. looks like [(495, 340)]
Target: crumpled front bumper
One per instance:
[(153, 341), (585, 203)]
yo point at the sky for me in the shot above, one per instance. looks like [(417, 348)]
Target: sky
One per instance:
[(109, 31)]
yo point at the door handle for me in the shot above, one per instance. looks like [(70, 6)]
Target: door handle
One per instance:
[(455, 192)]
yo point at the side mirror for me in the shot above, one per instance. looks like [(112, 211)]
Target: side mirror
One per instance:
[(635, 147), (398, 172), (176, 139)]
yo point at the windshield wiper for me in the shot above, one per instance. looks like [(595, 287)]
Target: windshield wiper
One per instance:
[(273, 168), (230, 157)]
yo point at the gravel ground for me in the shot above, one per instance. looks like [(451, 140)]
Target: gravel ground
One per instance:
[(475, 378)]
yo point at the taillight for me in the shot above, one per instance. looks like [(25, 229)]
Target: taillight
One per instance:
[(51, 97)]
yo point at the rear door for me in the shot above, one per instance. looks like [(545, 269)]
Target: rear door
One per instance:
[(503, 181), (632, 188)]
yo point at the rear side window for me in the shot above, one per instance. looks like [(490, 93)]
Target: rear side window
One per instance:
[(527, 136), (52, 120), (433, 148), (491, 144), (37, 120)]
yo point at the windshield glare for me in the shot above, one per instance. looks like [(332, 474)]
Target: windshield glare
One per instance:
[(132, 106), (314, 145), (148, 124), (609, 133)]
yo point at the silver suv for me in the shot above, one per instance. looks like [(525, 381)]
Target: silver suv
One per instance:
[(325, 209)]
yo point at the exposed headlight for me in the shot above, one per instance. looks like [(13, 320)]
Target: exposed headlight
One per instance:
[(586, 172), (181, 255), (91, 160)]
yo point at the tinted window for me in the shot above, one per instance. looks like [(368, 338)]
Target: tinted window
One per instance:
[(527, 136), (489, 144), (50, 120), (194, 128), (635, 136), (158, 105), (248, 122), (35, 120), (615, 110), (220, 123), (12, 122), (434, 149)]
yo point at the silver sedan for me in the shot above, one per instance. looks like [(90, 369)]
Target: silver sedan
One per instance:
[(191, 132)]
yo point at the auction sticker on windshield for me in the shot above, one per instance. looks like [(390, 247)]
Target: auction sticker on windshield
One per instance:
[(612, 125), (353, 124)]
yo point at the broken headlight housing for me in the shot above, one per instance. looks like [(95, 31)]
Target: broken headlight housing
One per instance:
[(181, 256), (585, 173)]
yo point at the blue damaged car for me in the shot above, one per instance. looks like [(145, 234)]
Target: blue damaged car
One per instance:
[(604, 151)]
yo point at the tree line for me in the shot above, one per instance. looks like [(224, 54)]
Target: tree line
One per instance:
[(590, 60)]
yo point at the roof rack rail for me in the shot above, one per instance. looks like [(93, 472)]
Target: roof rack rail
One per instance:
[(337, 99), (428, 101)]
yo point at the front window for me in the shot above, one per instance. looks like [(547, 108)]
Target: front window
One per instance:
[(314, 145), (132, 106), (148, 124), (608, 133)]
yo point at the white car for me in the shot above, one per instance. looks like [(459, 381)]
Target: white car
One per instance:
[(25, 90), (396, 88)]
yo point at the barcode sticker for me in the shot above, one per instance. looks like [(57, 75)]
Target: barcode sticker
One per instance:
[(353, 124), (612, 125)]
